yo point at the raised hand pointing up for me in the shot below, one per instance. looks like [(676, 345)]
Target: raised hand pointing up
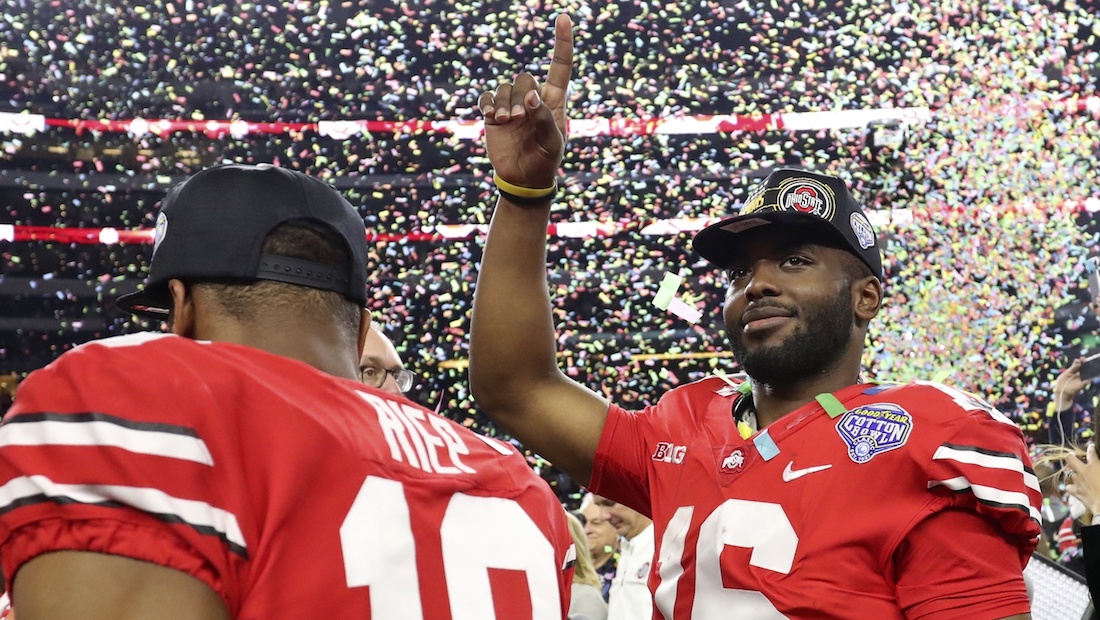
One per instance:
[(525, 123)]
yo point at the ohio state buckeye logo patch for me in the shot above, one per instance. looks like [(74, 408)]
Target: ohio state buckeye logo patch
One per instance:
[(807, 196)]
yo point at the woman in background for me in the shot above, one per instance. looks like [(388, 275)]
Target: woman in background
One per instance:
[(587, 602)]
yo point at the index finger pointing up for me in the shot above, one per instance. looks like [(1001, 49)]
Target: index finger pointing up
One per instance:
[(562, 64)]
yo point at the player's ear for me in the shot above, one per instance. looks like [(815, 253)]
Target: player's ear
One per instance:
[(364, 329), (181, 321), (868, 297)]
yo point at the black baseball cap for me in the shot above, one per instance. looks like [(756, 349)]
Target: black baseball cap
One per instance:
[(792, 196), (213, 225)]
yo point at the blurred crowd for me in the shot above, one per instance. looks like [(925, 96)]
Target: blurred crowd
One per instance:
[(981, 209)]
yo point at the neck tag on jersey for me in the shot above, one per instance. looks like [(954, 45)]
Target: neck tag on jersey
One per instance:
[(831, 405)]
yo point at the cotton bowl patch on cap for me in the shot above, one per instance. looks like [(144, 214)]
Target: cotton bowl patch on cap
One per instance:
[(790, 196), (213, 227)]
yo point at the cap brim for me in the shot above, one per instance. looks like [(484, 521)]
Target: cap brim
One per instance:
[(153, 304), (719, 242)]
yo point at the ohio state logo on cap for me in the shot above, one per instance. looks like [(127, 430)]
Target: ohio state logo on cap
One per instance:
[(807, 196)]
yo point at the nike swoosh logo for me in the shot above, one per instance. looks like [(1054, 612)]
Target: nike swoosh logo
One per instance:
[(794, 474)]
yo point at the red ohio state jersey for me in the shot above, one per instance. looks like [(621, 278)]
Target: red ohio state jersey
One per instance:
[(291, 493), (913, 501)]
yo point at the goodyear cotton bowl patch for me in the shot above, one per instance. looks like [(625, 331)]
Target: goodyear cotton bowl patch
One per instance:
[(873, 429)]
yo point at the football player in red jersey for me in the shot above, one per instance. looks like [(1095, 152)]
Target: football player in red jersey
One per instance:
[(237, 467), (802, 493)]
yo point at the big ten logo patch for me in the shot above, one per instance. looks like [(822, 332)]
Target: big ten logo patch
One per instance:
[(668, 452)]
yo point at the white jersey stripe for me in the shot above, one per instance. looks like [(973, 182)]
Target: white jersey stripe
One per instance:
[(199, 515), (990, 495), (969, 402), (500, 447), (570, 557), (973, 457), (106, 434)]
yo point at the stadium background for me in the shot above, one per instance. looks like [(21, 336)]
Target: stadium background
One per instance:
[(969, 132)]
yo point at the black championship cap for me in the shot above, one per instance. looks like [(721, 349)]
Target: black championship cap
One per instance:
[(213, 226), (792, 196)]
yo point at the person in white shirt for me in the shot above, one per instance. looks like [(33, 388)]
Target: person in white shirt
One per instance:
[(630, 596)]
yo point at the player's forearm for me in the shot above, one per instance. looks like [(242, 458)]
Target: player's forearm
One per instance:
[(512, 343)]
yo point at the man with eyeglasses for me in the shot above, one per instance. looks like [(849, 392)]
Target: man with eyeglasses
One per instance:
[(380, 366)]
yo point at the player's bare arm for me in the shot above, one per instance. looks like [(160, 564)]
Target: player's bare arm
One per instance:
[(106, 587), (513, 367)]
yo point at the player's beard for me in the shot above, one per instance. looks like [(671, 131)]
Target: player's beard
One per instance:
[(817, 344)]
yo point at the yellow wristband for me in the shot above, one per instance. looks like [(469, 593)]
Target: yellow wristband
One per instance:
[(523, 192)]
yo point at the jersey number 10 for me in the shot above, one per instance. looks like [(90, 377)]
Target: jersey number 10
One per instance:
[(477, 533)]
